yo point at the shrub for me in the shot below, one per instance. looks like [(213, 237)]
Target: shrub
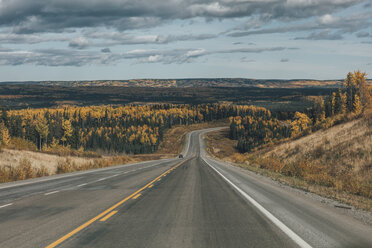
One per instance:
[(42, 171), (21, 144), (64, 166)]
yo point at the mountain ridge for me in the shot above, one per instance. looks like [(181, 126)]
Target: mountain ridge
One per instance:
[(193, 82)]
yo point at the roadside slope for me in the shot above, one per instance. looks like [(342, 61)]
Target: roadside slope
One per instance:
[(335, 162)]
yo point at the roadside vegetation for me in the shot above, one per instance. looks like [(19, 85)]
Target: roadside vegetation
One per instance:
[(21, 159), (129, 129), (327, 149)]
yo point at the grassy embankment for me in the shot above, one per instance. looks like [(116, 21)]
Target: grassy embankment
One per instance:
[(335, 162), (21, 160)]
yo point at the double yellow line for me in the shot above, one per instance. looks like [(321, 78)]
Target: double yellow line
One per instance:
[(89, 222)]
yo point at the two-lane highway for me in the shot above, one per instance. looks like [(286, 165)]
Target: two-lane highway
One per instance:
[(190, 202)]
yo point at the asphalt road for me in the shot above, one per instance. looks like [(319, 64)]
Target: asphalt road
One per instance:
[(190, 202)]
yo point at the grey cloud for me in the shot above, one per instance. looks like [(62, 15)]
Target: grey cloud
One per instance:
[(118, 38), (323, 35), (253, 50), (9, 38), (180, 56), (362, 34), (26, 16), (106, 50), (4, 49), (175, 56), (348, 24), (79, 43), (56, 57), (284, 60), (70, 57), (247, 60)]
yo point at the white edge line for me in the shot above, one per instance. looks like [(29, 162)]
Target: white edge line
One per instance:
[(6, 205), (53, 192), (292, 235), (188, 144), (83, 184)]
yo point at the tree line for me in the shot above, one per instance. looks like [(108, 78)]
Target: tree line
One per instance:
[(129, 128), (258, 127), (352, 98)]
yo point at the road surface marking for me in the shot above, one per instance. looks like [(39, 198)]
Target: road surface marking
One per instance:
[(292, 235), (108, 216), (135, 197), (152, 185), (101, 179), (6, 205), (89, 222), (83, 184), (53, 192)]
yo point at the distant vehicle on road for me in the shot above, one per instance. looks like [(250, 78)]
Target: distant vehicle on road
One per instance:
[(180, 156)]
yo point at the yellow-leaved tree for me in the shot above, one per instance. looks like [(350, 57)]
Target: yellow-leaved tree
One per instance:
[(42, 128), (357, 107), (67, 130), (301, 124), (4, 134)]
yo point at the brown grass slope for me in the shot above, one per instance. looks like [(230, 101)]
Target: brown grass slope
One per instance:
[(335, 162)]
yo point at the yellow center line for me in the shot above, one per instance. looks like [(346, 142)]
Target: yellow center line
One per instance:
[(135, 197), (89, 222), (152, 185), (108, 216)]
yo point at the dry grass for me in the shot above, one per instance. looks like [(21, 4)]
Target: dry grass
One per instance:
[(19, 165), (220, 145), (335, 163), (68, 165), (13, 158)]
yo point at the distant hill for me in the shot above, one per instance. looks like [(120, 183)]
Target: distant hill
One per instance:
[(196, 82)]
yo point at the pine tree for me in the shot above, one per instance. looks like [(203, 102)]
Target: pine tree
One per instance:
[(350, 87)]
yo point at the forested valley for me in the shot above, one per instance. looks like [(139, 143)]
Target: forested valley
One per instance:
[(131, 129)]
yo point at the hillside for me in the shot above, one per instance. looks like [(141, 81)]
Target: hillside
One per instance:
[(346, 148), (335, 162)]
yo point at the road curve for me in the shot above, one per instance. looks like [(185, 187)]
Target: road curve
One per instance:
[(190, 202)]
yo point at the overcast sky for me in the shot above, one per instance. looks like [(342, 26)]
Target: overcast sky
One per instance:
[(124, 39)]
